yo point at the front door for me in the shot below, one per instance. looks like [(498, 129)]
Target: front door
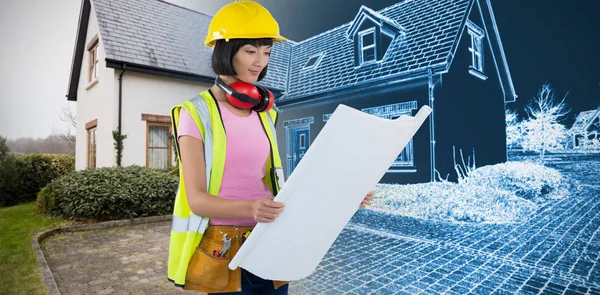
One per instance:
[(297, 140), (299, 144)]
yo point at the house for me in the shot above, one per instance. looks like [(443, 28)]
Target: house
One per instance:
[(446, 54), (585, 132), (135, 59)]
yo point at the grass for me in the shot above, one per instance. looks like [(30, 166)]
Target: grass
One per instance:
[(19, 271)]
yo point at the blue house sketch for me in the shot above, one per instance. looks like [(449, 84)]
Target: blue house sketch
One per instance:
[(585, 131), (446, 54)]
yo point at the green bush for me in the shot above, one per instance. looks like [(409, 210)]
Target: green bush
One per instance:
[(45, 200), (171, 170), (110, 193), (31, 173), (527, 180)]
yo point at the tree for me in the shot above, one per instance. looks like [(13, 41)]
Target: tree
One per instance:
[(4, 149), (9, 181), (67, 136), (514, 136), (542, 130)]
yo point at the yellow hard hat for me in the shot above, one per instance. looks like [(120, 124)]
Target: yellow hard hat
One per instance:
[(242, 19)]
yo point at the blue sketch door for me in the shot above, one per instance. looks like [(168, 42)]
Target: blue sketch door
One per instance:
[(300, 143), (297, 140)]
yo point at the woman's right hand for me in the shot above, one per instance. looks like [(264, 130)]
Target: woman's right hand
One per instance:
[(266, 210)]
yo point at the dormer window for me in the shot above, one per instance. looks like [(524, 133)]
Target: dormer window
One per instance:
[(476, 49), (367, 45), (314, 61), (372, 35)]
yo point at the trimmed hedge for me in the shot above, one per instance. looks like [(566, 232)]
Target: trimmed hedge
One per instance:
[(110, 193), (26, 175)]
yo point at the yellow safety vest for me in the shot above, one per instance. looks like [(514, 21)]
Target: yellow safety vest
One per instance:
[(187, 229)]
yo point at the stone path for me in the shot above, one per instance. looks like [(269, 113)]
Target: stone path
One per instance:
[(557, 251)]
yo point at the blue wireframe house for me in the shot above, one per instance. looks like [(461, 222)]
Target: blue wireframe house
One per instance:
[(446, 54)]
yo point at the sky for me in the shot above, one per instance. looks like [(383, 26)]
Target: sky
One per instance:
[(38, 38), (556, 42)]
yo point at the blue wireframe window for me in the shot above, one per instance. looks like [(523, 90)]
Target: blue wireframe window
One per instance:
[(302, 141), (367, 45), (314, 61), (406, 159), (476, 49)]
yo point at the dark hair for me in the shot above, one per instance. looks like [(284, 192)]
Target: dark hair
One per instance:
[(223, 53)]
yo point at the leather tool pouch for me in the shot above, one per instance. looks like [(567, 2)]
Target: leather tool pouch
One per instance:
[(209, 273)]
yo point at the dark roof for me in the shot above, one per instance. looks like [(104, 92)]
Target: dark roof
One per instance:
[(165, 39), (161, 38)]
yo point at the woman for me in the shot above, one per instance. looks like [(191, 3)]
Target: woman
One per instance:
[(229, 129)]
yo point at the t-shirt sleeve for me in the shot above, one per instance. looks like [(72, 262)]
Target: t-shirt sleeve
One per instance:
[(187, 126)]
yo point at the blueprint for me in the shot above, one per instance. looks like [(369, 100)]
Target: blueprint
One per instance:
[(350, 155)]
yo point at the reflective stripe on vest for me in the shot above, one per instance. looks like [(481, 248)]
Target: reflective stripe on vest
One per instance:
[(187, 228), (194, 223)]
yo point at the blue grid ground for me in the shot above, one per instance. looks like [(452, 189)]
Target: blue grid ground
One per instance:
[(557, 251)]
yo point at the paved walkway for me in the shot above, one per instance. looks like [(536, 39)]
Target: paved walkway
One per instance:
[(556, 252)]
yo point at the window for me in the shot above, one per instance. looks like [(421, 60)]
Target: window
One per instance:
[(313, 61), (159, 148), (302, 141), (406, 157), (405, 161), (367, 45), (477, 54), (91, 143), (476, 50), (93, 59)]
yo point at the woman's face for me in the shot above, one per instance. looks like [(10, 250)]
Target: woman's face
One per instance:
[(249, 61)]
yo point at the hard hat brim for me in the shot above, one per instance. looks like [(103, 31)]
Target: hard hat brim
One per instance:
[(277, 38)]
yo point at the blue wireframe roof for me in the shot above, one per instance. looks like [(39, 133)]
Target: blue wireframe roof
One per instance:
[(430, 29)]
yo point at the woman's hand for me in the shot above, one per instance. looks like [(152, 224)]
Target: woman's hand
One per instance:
[(266, 210), (367, 200)]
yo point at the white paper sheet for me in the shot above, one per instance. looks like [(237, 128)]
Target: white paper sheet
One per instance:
[(347, 159)]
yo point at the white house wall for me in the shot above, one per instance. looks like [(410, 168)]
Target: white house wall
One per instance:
[(95, 102), (146, 94)]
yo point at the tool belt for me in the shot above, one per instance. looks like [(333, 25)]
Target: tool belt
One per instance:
[(208, 270)]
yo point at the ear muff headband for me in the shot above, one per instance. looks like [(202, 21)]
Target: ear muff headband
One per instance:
[(263, 103), (231, 92)]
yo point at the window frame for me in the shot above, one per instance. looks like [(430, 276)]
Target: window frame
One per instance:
[(159, 123), (362, 48), (476, 47), (92, 50), (92, 126), (317, 60)]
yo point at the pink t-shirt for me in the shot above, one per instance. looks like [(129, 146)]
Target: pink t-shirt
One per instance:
[(247, 151)]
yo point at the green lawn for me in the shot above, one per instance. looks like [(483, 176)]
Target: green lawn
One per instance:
[(19, 271)]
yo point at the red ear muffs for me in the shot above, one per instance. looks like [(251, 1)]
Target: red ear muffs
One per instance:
[(247, 96)]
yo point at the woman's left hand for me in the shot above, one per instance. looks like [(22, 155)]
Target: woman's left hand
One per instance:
[(367, 200)]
